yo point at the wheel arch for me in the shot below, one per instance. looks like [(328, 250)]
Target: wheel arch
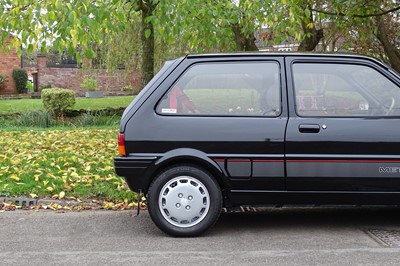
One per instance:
[(189, 157)]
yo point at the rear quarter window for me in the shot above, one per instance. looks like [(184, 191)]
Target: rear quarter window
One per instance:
[(225, 89)]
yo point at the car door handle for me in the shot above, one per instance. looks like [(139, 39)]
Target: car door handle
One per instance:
[(309, 128)]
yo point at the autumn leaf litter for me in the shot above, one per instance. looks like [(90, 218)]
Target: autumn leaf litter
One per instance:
[(62, 170)]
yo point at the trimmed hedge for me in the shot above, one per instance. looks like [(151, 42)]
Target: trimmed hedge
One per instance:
[(57, 100)]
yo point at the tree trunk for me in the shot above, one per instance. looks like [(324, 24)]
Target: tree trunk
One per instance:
[(243, 42), (310, 42), (389, 48), (147, 7), (312, 35)]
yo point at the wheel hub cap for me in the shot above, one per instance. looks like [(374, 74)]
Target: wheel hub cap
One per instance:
[(184, 201)]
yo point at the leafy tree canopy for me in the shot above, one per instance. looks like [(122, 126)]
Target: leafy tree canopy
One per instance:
[(72, 25), (129, 29)]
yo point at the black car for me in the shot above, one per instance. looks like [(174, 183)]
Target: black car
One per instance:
[(226, 130)]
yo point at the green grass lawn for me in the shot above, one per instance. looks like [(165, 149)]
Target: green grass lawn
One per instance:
[(76, 163), (26, 105)]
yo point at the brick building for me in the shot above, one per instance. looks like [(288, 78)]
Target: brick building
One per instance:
[(8, 62)]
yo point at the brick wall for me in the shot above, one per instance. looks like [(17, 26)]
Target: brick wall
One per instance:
[(8, 62), (71, 78)]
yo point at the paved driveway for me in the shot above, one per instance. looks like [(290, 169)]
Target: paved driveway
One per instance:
[(268, 237)]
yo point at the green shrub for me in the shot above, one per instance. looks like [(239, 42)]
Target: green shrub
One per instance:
[(58, 100), (3, 81), (89, 84), (20, 77), (30, 86), (98, 119), (42, 87), (34, 119), (128, 89)]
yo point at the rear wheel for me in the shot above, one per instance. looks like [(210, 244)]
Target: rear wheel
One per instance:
[(184, 200)]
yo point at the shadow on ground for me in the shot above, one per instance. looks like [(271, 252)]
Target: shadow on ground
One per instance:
[(270, 218)]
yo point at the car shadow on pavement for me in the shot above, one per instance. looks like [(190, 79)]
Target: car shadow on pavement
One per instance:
[(270, 218)]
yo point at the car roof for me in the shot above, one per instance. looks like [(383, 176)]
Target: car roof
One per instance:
[(287, 54), (281, 54), (277, 54)]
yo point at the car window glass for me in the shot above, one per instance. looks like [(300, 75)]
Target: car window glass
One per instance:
[(225, 89), (343, 90), (376, 83)]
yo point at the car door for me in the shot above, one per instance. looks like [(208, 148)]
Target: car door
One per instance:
[(343, 131)]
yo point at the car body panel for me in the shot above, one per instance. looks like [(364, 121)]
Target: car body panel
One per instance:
[(285, 159)]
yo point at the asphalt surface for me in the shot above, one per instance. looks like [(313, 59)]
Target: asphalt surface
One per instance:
[(268, 237)]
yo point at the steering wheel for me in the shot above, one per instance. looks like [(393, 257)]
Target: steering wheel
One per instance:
[(390, 109)]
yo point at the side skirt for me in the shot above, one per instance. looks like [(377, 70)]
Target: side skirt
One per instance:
[(314, 198)]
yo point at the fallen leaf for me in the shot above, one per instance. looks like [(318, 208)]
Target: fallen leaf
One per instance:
[(108, 205), (61, 195), (15, 177), (74, 175)]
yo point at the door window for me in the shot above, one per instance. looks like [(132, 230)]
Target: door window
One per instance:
[(343, 90)]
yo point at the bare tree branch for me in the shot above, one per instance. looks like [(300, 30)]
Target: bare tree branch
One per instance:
[(357, 15)]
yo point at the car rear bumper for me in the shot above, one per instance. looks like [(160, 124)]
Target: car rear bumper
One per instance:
[(133, 169)]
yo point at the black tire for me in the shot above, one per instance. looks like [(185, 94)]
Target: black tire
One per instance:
[(184, 201)]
